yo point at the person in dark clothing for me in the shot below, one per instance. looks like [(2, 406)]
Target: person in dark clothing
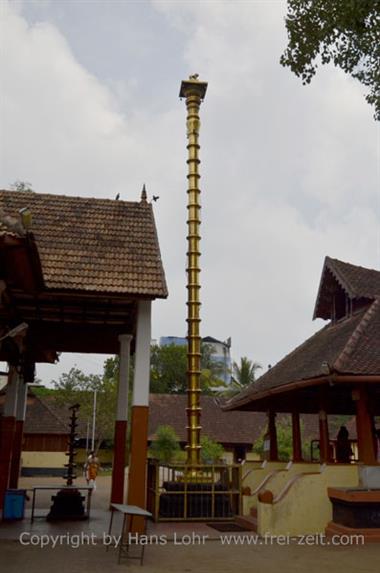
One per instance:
[(343, 446)]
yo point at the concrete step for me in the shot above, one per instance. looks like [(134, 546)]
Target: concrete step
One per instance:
[(369, 534), (247, 521)]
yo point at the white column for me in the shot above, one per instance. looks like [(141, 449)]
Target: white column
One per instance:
[(10, 404), (142, 355), (123, 385), (22, 395)]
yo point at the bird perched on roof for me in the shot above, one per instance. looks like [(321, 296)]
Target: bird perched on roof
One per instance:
[(117, 197), (194, 77), (155, 197)]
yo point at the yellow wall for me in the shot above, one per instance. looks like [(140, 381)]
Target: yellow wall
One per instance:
[(305, 508), (253, 475), (253, 456), (277, 482), (228, 457), (58, 459), (43, 459)]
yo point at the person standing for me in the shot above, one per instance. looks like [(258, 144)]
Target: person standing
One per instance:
[(92, 468), (343, 446)]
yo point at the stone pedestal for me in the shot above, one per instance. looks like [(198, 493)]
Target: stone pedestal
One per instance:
[(67, 504)]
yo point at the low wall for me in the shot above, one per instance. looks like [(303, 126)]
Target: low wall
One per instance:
[(254, 474), (370, 476), (302, 506)]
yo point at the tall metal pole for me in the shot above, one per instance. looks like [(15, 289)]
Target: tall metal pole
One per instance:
[(93, 422), (194, 92)]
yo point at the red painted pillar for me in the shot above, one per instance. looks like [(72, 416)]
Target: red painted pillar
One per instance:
[(273, 447), (140, 413), (364, 427), (296, 437), (121, 423), (7, 432), (22, 393)]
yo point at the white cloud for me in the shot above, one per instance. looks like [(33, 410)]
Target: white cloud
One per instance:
[(288, 172)]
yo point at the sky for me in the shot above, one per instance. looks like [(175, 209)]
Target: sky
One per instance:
[(290, 173)]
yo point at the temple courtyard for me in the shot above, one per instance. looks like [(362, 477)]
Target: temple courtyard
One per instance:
[(181, 547)]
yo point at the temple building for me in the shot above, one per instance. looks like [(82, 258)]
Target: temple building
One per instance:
[(334, 372), (77, 275)]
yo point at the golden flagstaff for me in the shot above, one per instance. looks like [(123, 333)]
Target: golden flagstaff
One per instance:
[(194, 92)]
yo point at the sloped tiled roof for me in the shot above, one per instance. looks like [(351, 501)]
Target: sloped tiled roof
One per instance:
[(44, 415), (40, 418), (349, 346), (224, 427), (96, 245), (357, 282)]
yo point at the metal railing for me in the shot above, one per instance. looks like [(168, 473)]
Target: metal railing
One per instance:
[(179, 492)]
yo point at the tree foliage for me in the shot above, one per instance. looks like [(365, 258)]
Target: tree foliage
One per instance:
[(169, 370), (168, 366), (344, 32), (211, 451), (243, 374), (284, 441), (165, 447), (76, 387)]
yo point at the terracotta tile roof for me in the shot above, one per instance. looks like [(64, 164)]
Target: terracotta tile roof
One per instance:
[(97, 245), (357, 282), (45, 416), (224, 427), (349, 346), (40, 418)]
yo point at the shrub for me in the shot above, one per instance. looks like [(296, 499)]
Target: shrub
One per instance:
[(211, 451), (166, 446)]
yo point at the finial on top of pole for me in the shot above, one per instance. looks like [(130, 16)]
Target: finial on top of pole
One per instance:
[(193, 86)]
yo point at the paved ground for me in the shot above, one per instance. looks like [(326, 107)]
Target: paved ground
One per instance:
[(168, 555), (209, 558)]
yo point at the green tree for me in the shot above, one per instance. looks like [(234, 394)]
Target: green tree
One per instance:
[(77, 387), (345, 32), (165, 447), (169, 370), (211, 451), (284, 441), (243, 374)]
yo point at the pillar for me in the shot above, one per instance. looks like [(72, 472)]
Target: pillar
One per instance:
[(296, 437), (324, 441), (22, 393), (364, 426), (273, 448), (140, 410), (121, 422), (7, 432)]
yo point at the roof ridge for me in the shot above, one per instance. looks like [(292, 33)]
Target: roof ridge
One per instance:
[(352, 264), (355, 336), (61, 195)]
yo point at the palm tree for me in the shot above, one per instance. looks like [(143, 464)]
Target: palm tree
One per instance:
[(243, 374)]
